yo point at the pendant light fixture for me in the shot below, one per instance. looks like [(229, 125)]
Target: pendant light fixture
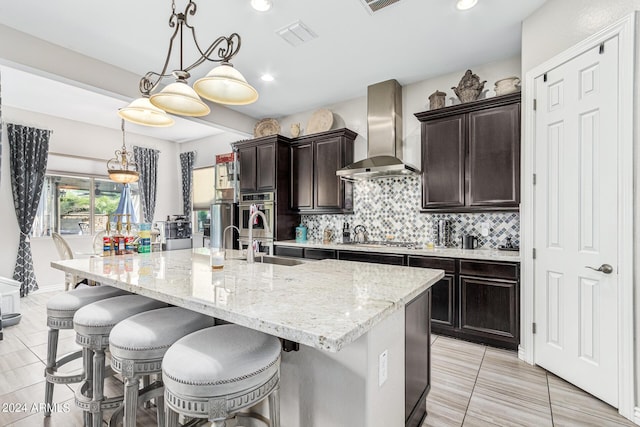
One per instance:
[(224, 84), (122, 168)]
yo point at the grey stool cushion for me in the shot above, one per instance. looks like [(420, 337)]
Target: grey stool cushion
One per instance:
[(67, 303), (100, 317), (220, 361), (148, 335)]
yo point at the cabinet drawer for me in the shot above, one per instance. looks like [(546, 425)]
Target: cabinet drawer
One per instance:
[(288, 251), (446, 264), (315, 253), (378, 258), (495, 270)]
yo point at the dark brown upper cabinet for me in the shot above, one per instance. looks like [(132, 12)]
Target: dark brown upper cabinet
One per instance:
[(263, 162), (471, 156), (315, 188)]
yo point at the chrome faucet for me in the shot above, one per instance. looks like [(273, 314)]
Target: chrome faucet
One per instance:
[(224, 235), (250, 254)]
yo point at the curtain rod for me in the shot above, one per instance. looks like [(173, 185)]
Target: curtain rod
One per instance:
[(20, 124)]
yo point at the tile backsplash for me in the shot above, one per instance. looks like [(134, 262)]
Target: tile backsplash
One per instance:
[(391, 207)]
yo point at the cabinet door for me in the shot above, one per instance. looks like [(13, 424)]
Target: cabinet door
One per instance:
[(302, 176), (443, 292), (417, 359), (247, 168), (266, 167), (489, 310), (494, 157), (329, 188), (443, 163)]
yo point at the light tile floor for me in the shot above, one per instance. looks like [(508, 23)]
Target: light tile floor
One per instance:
[(473, 385)]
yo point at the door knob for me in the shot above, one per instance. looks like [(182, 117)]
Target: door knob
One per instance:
[(604, 268)]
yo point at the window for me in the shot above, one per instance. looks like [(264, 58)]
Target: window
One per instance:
[(78, 204)]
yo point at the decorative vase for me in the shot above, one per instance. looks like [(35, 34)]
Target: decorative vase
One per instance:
[(295, 130), (507, 85), (469, 88), (437, 100)]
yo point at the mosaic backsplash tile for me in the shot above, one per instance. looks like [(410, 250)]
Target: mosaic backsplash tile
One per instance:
[(391, 207)]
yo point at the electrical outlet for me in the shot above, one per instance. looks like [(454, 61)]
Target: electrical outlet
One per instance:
[(484, 228), (383, 367)]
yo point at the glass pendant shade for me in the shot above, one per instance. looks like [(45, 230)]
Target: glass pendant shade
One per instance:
[(142, 112), (225, 85), (123, 176), (466, 4), (179, 98)]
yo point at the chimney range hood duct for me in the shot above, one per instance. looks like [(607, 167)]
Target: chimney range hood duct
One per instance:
[(384, 134)]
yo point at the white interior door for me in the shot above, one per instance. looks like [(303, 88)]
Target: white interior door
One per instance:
[(575, 221)]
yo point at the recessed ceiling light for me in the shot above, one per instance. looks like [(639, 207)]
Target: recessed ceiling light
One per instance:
[(266, 77), (261, 5), (465, 4)]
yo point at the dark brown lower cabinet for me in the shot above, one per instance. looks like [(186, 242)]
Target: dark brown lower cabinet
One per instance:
[(476, 300), (417, 359)]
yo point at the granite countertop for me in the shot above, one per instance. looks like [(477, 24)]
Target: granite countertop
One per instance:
[(323, 304), (482, 254)]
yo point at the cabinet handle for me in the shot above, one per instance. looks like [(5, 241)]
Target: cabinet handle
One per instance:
[(604, 268)]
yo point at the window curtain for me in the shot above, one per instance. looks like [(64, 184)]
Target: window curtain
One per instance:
[(147, 161), (28, 151), (186, 163)]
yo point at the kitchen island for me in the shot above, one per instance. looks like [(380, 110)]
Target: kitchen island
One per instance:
[(352, 322)]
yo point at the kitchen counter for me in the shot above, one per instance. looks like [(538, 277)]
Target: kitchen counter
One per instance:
[(481, 254), (323, 304), (345, 315)]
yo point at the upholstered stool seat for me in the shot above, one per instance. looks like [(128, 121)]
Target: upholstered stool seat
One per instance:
[(137, 346), (93, 324), (60, 311), (217, 372)]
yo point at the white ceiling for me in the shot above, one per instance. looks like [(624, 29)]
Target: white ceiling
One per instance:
[(411, 40)]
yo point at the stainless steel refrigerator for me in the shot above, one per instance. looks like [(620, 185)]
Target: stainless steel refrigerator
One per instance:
[(224, 214)]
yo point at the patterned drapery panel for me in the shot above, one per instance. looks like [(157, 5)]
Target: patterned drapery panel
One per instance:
[(28, 151), (147, 160), (186, 164)]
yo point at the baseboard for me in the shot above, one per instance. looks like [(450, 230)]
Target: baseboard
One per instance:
[(636, 415)]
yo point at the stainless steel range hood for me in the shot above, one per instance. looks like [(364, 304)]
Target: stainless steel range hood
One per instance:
[(384, 133)]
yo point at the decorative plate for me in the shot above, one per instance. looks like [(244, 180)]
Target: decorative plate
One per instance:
[(266, 127), (320, 121)]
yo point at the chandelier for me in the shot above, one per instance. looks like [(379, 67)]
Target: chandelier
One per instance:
[(122, 168), (223, 84)]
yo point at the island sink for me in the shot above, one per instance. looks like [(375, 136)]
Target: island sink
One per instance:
[(277, 260)]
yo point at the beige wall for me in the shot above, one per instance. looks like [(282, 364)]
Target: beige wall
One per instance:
[(559, 24), (415, 98), (555, 27)]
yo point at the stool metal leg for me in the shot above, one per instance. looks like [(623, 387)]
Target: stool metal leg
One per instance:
[(170, 417), (131, 386), (52, 352), (98, 385), (160, 404), (274, 407)]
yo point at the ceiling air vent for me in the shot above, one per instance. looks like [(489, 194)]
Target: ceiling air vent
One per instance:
[(376, 5), (296, 34)]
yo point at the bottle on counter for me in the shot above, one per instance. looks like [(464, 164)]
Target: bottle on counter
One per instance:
[(128, 237), (106, 240), (117, 241)]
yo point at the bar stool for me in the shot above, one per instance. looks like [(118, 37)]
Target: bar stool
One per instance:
[(217, 372), (60, 311), (93, 324), (137, 346)]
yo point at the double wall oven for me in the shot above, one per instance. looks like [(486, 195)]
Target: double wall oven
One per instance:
[(263, 233)]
